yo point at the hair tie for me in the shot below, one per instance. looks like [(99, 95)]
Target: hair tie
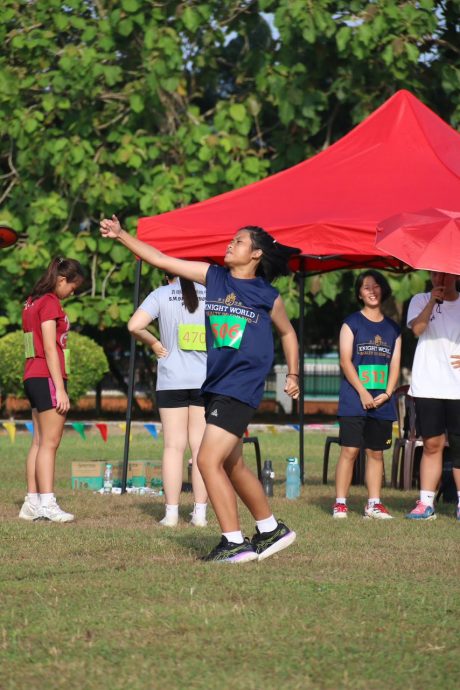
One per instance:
[(274, 241), (60, 260)]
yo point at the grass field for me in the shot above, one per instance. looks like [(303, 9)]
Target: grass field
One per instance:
[(115, 601)]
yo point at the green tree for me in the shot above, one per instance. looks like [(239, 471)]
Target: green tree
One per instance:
[(142, 107)]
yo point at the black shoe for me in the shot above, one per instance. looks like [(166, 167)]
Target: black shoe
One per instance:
[(266, 544), (228, 552)]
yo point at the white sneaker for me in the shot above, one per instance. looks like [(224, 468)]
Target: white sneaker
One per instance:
[(169, 521), (198, 521), (54, 513), (376, 511), (29, 511)]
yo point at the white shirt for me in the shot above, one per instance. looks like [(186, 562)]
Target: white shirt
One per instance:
[(180, 369), (433, 375)]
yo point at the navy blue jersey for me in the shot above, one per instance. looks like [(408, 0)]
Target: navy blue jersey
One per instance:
[(239, 335), (373, 348)]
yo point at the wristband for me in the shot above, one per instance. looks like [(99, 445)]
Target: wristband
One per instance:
[(292, 375), (388, 396)]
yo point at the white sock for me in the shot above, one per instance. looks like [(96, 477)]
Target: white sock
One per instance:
[(427, 498), (373, 501), (199, 509), (234, 537), (172, 511), (458, 496), (267, 525), (341, 500), (34, 499), (45, 499)]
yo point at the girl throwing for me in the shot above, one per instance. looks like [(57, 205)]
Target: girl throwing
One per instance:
[(181, 352), (240, 307), (370, 352), (46, 327)]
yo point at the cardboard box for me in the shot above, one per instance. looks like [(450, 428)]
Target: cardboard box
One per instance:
[(90, 475)]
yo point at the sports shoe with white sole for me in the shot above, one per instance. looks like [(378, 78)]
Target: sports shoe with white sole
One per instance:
[(169, 521), (54, 513), (339, 511), (198, 521), (421, 512), (268, 543), (29, 511), (229, 552), (376, 511)]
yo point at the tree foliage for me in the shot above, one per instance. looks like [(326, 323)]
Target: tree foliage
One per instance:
[(139, 107)]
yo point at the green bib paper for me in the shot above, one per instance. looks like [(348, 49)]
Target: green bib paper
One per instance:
[(191, 337), (29, 349), (67, 360), (227, 330), (373, 376)]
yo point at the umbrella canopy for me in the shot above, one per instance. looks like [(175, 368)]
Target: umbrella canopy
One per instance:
[(8, 236), (428, 239)]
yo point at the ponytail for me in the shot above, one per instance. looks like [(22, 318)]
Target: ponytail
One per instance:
[(189, 296), (275, 256), (69, 269)]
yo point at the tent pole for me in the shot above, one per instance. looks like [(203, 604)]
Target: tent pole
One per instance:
[(132, 363), (301, 368)]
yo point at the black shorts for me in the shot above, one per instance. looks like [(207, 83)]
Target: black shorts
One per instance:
[(228, 413), (435, 416), (365, 432), (41, 393), (180, 398)]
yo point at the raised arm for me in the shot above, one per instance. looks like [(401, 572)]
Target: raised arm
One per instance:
[(193, 270)]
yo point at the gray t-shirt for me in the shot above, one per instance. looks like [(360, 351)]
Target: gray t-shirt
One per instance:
[(181, 368)]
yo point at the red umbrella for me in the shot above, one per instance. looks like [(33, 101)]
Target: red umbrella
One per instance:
[(428, 239), (8, 236)]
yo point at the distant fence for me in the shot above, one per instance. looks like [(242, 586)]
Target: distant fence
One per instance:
[(321, 381)]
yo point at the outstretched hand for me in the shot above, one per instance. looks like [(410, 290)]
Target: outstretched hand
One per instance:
[(455, 361), (110, 227)]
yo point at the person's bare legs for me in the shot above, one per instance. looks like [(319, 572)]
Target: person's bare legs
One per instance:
[(374, 472), (431, 463), (50, 428), (32, 457), (344, 470), (218, 445), (174, 421), (196, 427), (246, 484)]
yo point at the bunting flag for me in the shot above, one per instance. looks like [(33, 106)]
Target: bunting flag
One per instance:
[(296, 427), (122, 426), (80, 428), (151, 428), (30, 427), (104, 430), (11, 429)]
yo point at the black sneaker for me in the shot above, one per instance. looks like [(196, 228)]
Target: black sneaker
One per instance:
[(266, 544), (228, 552)]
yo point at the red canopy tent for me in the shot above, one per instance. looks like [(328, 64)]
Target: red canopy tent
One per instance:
[(403, 157)]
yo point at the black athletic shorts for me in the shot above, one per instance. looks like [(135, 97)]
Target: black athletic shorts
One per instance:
[(41, 393), (228, 413), (365, 432), (435, 416), (183, 397)]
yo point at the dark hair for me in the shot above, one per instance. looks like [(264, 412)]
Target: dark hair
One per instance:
[(69, 269), (379, 279), (275, 256), (189, 295)]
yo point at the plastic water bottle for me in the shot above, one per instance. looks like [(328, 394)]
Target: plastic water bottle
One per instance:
[(292, 478), (268, 476), (108, 479)]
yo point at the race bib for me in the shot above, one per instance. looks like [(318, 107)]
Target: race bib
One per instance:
[(29, 349), (191, 337), (67, 360), (373, 376), (227, 330)]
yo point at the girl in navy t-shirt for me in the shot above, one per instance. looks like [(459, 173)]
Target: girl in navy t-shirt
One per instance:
[(370, 350), (240, 307)]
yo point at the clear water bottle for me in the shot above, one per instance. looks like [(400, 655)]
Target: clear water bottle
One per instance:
[(268, 477), (108, 479), (292, 478)]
